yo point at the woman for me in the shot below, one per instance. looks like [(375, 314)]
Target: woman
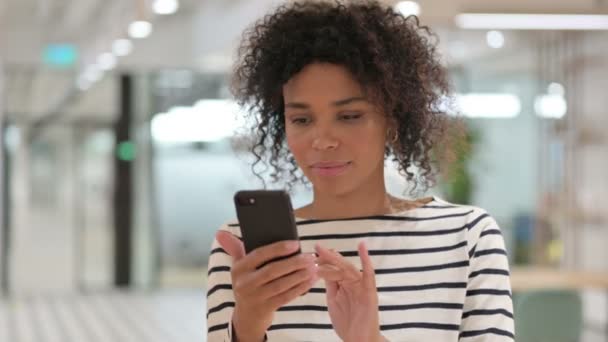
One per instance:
[(336, 90)]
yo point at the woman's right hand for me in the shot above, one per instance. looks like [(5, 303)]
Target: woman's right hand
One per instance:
[(259, 292)]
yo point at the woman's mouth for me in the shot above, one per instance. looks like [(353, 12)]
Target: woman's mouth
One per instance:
[(330, 168)]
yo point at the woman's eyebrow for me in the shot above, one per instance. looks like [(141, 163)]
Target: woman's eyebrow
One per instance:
[(343, 102), (297, 105), (349, 100)]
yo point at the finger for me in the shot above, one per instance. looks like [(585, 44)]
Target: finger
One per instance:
[(332, 289), (253, 281), (330, 273), (272, 271), (339, 261), (335, 259), (231, 244), (262, 255), (330, 257), (320, 262), (283, 284), (327, 270), (369, 276), (295, 292)]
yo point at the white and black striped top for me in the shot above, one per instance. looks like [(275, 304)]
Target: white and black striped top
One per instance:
[(441, 270)]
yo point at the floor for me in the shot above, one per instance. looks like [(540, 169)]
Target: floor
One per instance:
[(108, 317)]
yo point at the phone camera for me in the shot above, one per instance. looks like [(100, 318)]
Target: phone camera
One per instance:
[(246, 201)]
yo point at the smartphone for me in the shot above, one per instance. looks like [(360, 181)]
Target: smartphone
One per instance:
[(265, 217)]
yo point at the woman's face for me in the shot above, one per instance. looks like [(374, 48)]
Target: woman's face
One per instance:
[(335, 134)]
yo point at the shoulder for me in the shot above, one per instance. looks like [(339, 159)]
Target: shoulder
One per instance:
[(477, 221), (231, 226), (217, 255), (471, 213), (439, 207)]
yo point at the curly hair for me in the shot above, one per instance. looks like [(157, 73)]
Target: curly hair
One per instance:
[(393, 57)]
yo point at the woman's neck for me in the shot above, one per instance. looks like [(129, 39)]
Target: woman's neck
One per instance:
[(356, 203), (367, 200), (347, 206)]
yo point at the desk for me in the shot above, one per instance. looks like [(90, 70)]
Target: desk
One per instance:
[(532, 278)]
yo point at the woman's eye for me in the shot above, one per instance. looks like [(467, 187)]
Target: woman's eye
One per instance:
[(350, 117), (299, 121)]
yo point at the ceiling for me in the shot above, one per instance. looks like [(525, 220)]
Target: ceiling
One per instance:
[(202, 30)]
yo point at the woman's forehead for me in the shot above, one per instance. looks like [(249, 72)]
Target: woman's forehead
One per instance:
[(322, 81)]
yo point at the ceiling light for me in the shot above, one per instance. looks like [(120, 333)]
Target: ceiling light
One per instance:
[(555, 88), (83, 83), (140, 29), (495, 39), (505, 21), (209, 120), (106, 61), (93, 73), (122, 47), (165, 7), (488, 105), (407, 8), (550, 106)]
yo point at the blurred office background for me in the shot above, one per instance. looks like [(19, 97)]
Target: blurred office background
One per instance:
[(119, 159)]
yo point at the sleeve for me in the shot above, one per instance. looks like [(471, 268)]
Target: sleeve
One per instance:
[(220, 298), (488, 306)]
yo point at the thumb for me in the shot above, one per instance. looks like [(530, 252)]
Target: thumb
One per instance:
[(231, 244)]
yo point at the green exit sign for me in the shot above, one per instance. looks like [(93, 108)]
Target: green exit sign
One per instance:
[(60, 55)]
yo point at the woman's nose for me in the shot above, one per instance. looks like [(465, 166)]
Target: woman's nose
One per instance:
[(324, 139)]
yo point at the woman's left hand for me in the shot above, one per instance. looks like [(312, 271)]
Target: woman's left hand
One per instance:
[(352, 298)]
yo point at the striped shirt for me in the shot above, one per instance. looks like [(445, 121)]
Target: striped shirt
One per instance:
[(441, 269)]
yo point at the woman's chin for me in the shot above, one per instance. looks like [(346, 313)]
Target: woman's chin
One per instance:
[(334, 188)]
